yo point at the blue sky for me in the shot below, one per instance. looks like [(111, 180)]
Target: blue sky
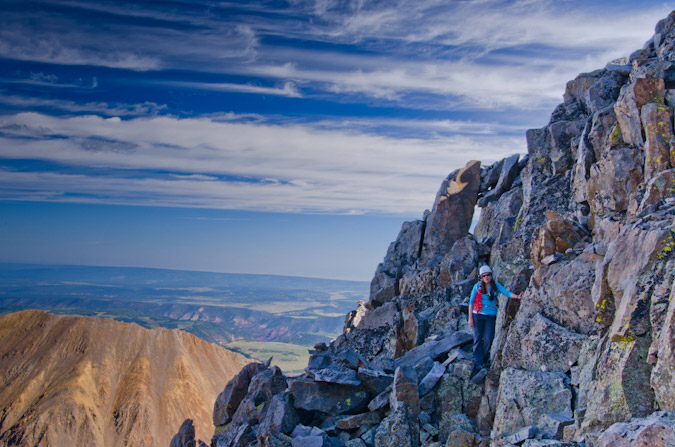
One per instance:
[(268, 136)]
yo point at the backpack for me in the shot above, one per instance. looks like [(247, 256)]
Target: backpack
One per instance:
[(478, 301)]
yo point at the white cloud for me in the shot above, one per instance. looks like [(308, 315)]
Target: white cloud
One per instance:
[(104, 108), (229, 165), (288, 89)]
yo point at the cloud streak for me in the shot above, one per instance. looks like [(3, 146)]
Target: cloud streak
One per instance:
[(260, 167)]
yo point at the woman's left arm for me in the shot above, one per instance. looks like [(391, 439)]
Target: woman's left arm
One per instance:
[(507, 293)]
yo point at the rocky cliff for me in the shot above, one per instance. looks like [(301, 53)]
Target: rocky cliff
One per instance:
[(583, 225), (83, 381)]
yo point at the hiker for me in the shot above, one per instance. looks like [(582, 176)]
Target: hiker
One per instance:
[(482, 317)]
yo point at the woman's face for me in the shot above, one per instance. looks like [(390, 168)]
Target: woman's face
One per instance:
[(486, 278)]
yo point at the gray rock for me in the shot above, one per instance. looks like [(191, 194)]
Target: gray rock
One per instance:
[(656, 430), (451, 216), (522, 434), (185, 436), (537, 342), (509, 172), (280, 416), (397, 429), (381, 400), (431, 379), (405, 390), (434, 349), (529, 398), (366, 420), (328, 398), (336, 374), (657, 121), (375, 381), (631, 99), (228, 401)]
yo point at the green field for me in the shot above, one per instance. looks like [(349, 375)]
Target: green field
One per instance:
[(292, 359)]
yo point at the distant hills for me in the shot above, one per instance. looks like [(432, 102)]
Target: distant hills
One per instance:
[(76, 381), (217, 307)]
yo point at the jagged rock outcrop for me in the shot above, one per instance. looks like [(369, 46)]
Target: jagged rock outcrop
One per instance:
[(584, 225), (98, 382)]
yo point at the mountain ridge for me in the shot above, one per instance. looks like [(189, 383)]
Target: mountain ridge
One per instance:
[(95, 381)]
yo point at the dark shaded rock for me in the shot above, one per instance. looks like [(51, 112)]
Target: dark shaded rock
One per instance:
[(375, 381), (335, 374), (185, 436), (353, 360), (328, 397), (280, 416), (509, 172), (381, 400), (234, 436), (434, 349), (228, 401), (405, 390), (431, 379), (451, 216), (262, 388)]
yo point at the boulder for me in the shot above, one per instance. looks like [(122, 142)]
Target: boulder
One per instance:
[(613, 179), (185, 436), (459, 262), (538, 344), (662, 378), (509, 172), (557, 235), (658, 125), (460, 438), (451, 216), (262, 388), (656, 430), (228, 401), (453, 425), (280, 416), (660, 187), (434, 349), (335, 374), (431, 379), (405, 390), (234, 435), (403, 252), (630, 102), (328, 398), (528, 398), (375, 381), (396, 430), (366, 420)]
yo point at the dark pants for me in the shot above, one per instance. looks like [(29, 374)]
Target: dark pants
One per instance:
[(483, 333)]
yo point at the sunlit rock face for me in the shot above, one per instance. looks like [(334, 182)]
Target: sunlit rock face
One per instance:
[(584, 226), (83, 381)]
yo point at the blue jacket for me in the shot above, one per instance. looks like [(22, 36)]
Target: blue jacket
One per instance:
[(484, 305)]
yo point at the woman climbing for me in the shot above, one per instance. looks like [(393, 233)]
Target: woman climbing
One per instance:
[(482, 317)]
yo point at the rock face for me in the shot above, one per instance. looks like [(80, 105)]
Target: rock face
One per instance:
[(98, 382), (584, 226)]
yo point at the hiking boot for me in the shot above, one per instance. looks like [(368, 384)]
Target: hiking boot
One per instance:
[(480, 376)]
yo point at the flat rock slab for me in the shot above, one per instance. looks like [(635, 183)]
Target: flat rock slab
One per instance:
[(433, 349), (328, 398)]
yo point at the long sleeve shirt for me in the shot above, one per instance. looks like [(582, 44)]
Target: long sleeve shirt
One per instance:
[(484, 305)]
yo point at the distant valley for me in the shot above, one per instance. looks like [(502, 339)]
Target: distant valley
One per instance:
[(217, 307)]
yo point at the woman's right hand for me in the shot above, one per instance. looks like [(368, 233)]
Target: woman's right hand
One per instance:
[(471, 322)]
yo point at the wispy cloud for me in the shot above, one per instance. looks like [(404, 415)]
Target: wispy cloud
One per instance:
[(103, 108), (235, 165), (288, 89)]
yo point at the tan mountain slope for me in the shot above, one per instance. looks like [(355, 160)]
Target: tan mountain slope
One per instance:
[(76, 381)]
